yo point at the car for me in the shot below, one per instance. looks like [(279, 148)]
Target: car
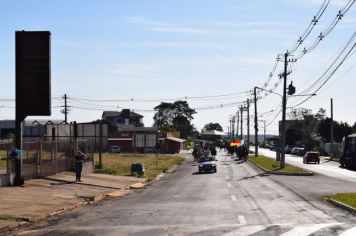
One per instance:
[(114, 149), (311, 157), (273, 147), (298, 151), (288, 149), (207, 163)]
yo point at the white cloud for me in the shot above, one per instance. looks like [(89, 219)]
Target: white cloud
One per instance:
[(262, 24), (334, 3)]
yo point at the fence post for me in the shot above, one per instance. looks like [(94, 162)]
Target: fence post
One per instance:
[(39, 161)]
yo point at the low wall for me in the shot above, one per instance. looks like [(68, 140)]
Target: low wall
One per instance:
[(5, 180)]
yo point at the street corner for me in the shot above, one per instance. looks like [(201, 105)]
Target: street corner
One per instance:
[(138, 185)]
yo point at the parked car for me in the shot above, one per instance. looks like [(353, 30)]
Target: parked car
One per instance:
[(273, 147), (289, 148), (311, 157), (114, 149), (207, 163), (298, 151)]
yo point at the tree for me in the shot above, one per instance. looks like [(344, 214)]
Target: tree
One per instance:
[(212, 126), (111, 127), (177, 115), (341, 129), (306, 122)]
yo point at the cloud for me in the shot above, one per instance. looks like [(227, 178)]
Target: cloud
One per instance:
[(262, 24), (334, 3), (158, 26)]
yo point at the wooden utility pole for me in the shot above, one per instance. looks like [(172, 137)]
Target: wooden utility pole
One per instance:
[(256, 122), (248, 125), (331, 130)]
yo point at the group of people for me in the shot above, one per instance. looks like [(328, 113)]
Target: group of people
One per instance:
[(203, 149)]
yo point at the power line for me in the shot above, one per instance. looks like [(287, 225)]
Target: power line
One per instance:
[(311, 26), (327, 31)]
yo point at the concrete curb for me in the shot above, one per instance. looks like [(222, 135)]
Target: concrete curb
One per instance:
[(341, 205), (308, 173)]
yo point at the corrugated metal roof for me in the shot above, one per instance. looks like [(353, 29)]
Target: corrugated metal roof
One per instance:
[(176, 139)]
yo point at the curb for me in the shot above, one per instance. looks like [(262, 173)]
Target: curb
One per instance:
[(307, 173), (341, 205)]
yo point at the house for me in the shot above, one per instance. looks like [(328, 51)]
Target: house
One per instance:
[(124, 118), (134, 139), (171, 144)]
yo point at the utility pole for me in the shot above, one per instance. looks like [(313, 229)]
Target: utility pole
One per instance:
[(332, 130), (284, 106), (256, 122), (230, 128), (237, 123), (65, 110), (241, 133), (233, 127), (264, 131), (248, 125)]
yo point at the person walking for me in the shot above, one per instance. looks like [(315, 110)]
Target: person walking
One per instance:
[(79, 159)]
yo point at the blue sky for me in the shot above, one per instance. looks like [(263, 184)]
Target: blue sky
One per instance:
[(159, 49)]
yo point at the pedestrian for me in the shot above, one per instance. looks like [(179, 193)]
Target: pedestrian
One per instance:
[(79, 159)]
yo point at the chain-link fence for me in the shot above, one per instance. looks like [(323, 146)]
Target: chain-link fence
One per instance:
[(44, 158)]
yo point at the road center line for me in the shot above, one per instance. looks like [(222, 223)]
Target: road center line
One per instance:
[(233, 198), (242, 220)]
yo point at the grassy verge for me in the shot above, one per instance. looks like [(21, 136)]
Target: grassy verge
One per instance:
[(3, 164), (346, 198), (272, 165), (120, 164)]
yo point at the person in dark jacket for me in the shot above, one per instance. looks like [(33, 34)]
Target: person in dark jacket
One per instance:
[(79, 159)]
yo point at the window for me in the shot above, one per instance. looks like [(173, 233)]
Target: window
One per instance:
[(140, 140), (150, 140)]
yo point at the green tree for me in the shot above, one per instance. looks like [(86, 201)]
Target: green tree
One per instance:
[(307, 123), (111, 127), (212, 126), (177, 115)]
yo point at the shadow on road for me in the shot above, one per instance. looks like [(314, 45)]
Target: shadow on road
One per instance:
[(265, 174), (202, 173)]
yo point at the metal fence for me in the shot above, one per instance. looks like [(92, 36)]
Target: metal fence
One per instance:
[(44, 158)]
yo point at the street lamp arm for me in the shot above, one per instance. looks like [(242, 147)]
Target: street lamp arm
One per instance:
[(269, 91)]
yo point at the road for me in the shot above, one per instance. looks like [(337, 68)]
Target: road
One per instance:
[(237, 200), (326, 167)]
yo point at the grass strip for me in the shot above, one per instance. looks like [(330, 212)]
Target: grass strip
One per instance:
[(120, 164), (345, 198), (3, 164), (273, 165)]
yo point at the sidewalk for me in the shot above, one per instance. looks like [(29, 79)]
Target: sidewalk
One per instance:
[(42, 198)]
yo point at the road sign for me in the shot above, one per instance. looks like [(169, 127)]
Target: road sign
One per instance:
[(33, 73)]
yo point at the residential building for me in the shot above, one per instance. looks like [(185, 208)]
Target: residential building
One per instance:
[(124, 118)]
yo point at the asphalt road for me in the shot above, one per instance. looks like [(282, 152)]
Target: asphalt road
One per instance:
[(237, 200)]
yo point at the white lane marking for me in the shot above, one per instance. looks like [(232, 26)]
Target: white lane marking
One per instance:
[(229, 185), (242, 220), (349, 232), (246, 230), (307, 229), (233, 198)]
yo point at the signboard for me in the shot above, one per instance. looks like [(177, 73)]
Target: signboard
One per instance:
[(236, 143), (33, 74)]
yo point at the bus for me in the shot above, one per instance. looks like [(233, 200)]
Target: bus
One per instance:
[(348, 157)]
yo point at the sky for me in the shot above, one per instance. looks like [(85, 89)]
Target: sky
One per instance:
[(110, 55)]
